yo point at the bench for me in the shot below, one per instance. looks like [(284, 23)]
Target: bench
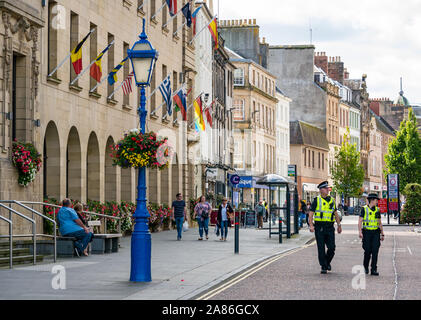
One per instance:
[(105, 243), (101, 243)]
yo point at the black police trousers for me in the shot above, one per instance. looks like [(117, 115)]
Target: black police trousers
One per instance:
[(371, 246), (325, 237)]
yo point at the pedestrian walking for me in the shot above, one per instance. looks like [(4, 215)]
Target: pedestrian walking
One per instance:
[(260, 212), (265, 204), (202, 211), (179, 214), (371, 231), (225, 212), (303, 215), (324, 212)]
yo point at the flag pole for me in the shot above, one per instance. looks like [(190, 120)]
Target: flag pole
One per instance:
[(65, 59), (159, 10), (194, 38), (96, 86), (172, 96), (179, 28), (116, 89), (141, 6), (88, 67), (171, 19)]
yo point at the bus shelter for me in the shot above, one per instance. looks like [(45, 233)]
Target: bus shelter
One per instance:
[(283, 205)]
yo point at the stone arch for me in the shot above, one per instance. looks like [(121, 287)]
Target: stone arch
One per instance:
[(93, 169), (51, 163), (74, 166), (110, 173)]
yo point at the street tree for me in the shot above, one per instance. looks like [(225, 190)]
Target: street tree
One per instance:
[(404, 153), (347, 171)]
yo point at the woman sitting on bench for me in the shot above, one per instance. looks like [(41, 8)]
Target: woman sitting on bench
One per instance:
[(72, 226)]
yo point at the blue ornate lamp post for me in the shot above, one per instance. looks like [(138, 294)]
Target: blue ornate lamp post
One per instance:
[(143, 57)]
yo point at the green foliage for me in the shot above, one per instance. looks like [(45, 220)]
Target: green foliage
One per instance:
[(404, 153), (411, 212), (347, 171)]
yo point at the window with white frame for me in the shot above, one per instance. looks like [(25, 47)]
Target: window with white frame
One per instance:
[(238, 112), (239, 77)]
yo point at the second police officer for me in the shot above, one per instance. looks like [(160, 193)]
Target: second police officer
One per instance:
[(371, 231), (323, 210)]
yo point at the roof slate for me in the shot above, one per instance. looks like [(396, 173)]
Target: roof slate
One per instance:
[(305, 133)]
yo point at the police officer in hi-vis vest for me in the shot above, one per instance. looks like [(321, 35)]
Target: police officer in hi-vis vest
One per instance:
[(371, 231), (323, 209)]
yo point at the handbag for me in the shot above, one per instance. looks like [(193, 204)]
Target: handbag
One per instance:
[(185, 226)]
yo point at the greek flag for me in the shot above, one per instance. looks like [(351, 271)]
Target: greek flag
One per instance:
[(165, 89)]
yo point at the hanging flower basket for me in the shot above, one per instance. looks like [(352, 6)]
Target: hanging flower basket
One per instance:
[(141, 150), (27, 160)]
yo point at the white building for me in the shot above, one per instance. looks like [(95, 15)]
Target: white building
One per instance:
[(282, 134)]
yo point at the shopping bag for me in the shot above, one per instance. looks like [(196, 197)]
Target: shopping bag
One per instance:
[(185, 226)]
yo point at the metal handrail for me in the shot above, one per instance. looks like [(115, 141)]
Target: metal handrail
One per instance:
[(34, 227), (45, 217), (10, 239)]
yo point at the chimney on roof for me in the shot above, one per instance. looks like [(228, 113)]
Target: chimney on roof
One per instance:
[(321, 61)]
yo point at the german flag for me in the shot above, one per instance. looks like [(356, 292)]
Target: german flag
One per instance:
[(213, 28), (96, 69), (76, 54)]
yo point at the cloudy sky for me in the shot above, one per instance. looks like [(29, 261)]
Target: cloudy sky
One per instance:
[(381, 38)]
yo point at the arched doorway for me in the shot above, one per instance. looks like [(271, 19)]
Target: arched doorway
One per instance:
[(51, 162), (93, 169), (74, 166), (110, 173)]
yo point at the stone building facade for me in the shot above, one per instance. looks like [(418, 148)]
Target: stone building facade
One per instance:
[(254, 115), (309, 151), (73, 126)]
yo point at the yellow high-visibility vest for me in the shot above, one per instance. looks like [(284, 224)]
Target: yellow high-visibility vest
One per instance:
[(370, 222), (323, 211)]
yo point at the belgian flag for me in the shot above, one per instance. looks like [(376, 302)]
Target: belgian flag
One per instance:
[(96, 68), (76, 54)]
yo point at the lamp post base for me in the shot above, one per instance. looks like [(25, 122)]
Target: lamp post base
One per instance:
[(141, 255)]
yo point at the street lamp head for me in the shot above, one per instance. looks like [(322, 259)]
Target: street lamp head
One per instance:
[(143, 58)]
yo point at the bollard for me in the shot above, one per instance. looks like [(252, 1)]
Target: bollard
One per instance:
[(237, 233), (280, 229)]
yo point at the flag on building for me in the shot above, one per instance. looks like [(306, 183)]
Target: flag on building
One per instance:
[(165, 89), (199, 123), (187, 13), (208, 113), (127, 84), (96, 68), (112, 77), (194, 19), (213, 28), (172, 7), (181, 103), (76, 55)]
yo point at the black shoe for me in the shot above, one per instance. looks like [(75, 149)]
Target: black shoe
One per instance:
[(366, 270), (323, 271), (374, 273), (77, 252), (329, 268)]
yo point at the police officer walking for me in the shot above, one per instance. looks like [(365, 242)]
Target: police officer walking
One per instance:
[(371, 231), (323, 209)]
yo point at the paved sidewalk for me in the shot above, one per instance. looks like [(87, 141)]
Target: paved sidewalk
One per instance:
[(180, 269)]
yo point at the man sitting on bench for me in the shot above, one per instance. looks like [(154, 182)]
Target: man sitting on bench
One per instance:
[(72, 226)]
